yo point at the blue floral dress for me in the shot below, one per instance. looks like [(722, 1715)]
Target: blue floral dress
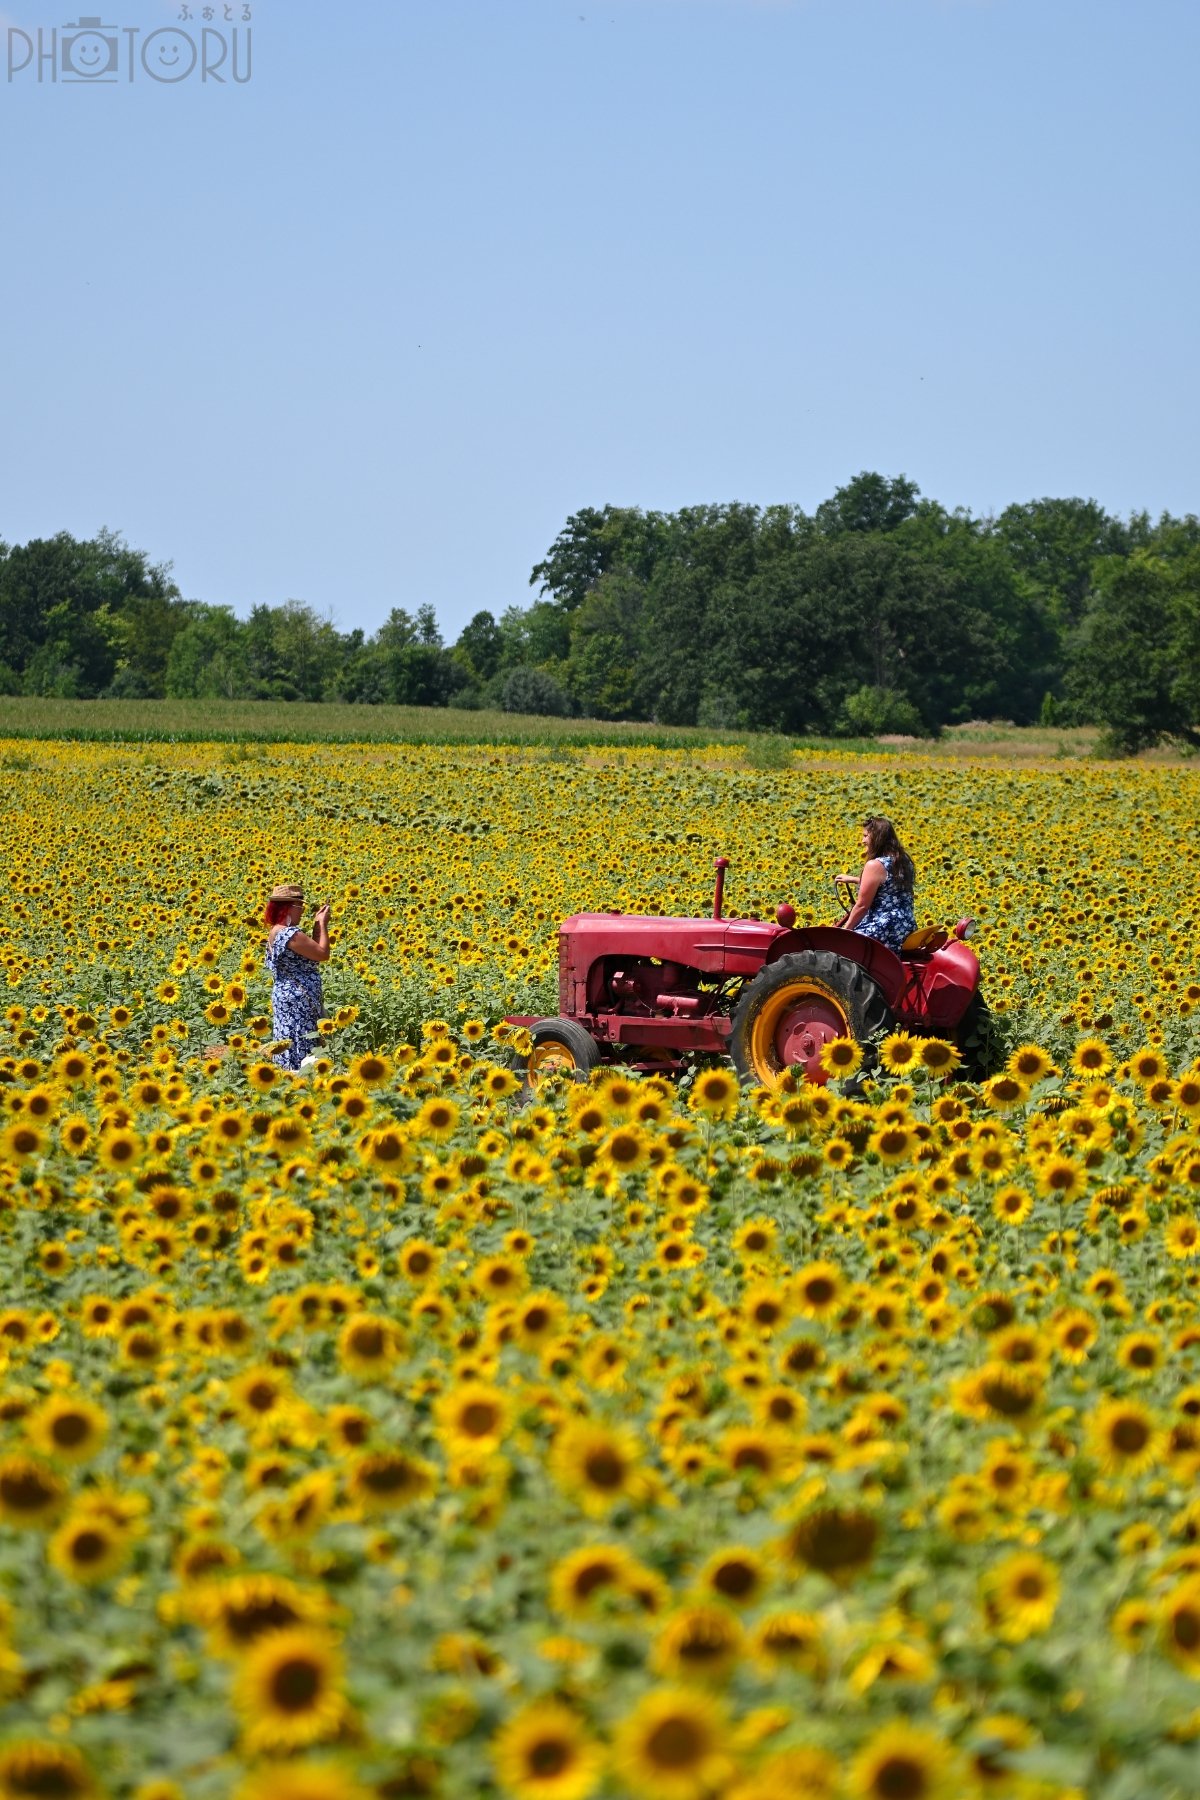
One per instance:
[(890, 917), (296, 1000)]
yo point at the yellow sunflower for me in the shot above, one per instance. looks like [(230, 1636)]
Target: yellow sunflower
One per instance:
[(301, 1781), (68, 1428), (30, 1767), (546, 1752), (715, 1093), (473, 1418), (1179, 1625), (902, 1762), (673, 1746), (288, 1690), (1124, 1437), (31, 1492), (89, 1548), (598, 1465), (1020, 1596)]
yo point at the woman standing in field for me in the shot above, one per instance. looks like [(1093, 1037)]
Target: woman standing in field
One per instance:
[(297, 1002), (884, 907)]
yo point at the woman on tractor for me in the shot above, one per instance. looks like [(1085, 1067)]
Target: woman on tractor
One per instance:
[(884, 907)]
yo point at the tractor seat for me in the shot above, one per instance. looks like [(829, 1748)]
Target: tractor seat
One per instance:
[(928, 938)]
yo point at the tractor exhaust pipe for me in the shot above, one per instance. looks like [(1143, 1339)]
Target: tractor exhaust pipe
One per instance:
[(721, 864)]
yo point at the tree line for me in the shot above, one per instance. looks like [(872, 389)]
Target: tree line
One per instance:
[(881, 611)]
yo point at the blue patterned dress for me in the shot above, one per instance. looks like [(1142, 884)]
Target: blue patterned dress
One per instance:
[(890, 917), (296, 1000)]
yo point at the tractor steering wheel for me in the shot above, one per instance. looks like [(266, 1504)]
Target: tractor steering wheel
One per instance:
[(846, 893)]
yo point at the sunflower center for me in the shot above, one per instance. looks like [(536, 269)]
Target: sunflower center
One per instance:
[(900, 1779), (245, 1623), (1129, 1436), (592, 1577), (25, 1491), (1007, 1399), (388, 1477), (89, 1546), (604, 1468), (69, 1429), (549, 1757), (41, 1774), (735, 1580), (675, 1744), (835, 1540), (477, 1419), (296, 1684)]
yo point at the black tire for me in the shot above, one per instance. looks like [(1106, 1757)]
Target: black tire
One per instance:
[(580, 1052), (979, 1039), (866, 1013)]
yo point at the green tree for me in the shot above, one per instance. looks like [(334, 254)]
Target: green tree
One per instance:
[(207, 658), (592, 544), (62, 601), (534, 636), (1054, 544), (601, 664), (1133, 656), (480, 646), (870, 502)]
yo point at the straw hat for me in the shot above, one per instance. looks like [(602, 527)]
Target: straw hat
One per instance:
[(287, 891)]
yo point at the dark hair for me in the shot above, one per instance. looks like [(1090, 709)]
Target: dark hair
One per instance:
[(276, 910), (881, 836)]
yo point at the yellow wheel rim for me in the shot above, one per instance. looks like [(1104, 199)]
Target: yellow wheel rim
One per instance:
[(792, 1027), (547, 1059)]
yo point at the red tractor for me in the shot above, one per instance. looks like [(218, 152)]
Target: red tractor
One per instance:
[(644, 991)]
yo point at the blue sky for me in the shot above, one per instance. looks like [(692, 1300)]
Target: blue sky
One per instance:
[(363, 329)]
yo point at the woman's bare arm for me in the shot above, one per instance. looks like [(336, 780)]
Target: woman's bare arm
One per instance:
[(315, 948), (869, 884)]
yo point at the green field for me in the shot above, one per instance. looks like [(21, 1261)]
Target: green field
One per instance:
[(273, 721)]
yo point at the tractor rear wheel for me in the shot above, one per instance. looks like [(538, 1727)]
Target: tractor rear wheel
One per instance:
[(795, 1006), (560, 1048)]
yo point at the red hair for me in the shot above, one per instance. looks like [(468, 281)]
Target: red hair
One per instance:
[(277, 910)]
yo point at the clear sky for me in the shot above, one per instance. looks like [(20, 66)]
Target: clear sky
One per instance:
[(363, 329)]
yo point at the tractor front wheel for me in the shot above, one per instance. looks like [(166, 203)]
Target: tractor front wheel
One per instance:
[(560, 1048), (795, 1006)]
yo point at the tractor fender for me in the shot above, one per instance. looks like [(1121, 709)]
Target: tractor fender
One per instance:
[(950, 982), (881, 964)]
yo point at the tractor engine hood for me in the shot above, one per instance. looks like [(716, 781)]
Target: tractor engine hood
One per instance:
[(715, 946)]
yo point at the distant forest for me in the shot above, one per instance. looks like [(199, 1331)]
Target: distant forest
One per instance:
[(879, 612)]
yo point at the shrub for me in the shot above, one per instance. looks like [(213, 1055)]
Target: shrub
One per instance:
[(873, 710), (533, 691)]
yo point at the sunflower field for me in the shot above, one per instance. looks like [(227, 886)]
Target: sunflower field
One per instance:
[(379, 1432)]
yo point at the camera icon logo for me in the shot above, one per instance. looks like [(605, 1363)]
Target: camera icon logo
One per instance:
[(88, 51)]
